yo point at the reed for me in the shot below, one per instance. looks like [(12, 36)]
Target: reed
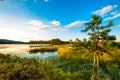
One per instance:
[(43, 49)]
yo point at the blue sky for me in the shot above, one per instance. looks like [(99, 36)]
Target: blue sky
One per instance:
[(47, 19)]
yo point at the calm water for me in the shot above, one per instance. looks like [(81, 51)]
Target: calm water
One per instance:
[(22, 50)]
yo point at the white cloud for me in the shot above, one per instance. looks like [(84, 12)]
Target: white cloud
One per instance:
[(115, 6), (105, 10), (118, 15), (76, 23), (118, 25), (108, 18), (115, 15), (46, 0), (40, 25), (53, 25)]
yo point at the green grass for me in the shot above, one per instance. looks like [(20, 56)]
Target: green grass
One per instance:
[(14, 68), (79, 68), (47, 49)]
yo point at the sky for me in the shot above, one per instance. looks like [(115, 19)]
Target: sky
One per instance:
[(25, 20)]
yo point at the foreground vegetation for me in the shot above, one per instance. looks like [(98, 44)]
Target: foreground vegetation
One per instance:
[(81, 60), (95, 59), (73, 63), (14, 68)]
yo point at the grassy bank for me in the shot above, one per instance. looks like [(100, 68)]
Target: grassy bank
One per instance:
[(34, 49), (76, 64), (15, 68), (43, 49), (81, 60)]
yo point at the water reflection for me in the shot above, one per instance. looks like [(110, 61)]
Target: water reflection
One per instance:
[(23, 51), (45, 55)]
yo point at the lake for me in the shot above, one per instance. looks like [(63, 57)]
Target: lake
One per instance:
[(22, 50)]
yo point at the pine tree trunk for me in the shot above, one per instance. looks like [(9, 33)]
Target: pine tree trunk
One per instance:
[(98, 68), (94, 63)]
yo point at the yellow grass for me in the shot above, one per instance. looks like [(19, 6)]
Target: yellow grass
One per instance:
[(70, 52)]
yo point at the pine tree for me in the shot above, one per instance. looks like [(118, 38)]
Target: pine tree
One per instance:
[(98, 38)]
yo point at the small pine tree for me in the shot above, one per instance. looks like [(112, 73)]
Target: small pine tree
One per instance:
[(98, 38)]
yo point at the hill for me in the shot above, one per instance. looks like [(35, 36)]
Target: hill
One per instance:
[(6, 41)]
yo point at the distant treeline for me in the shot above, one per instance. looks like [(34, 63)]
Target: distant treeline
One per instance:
[(38, 42), (6, 41), (53, 42)]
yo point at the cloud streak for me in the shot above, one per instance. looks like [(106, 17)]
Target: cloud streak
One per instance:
[(115, 15), (108, 9), (73, 24), (104, 10), (53, 25), (118, 25)]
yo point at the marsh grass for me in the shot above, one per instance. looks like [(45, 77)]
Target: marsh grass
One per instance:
[(53, 48), (43, 49), (14, 68), (79, 67)]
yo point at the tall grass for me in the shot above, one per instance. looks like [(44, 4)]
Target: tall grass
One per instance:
[(76, 65), (44, 49)]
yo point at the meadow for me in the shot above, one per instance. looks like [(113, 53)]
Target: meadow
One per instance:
[(72, 63)]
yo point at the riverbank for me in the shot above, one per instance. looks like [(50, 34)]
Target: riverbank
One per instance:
[(72, 63), (48, 48)]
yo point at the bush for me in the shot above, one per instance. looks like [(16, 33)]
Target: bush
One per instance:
[(30, 69)]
